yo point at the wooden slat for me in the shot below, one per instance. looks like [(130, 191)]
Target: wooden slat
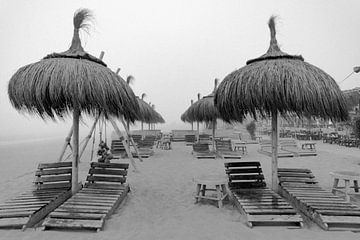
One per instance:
[(53, 171), (304, 170), (105, 179), (69, 215), (270, 211), (59, 185), (274, 218), (242, 170), (15, 222), (110, 165), (259, 177), (15, 214), (339, 212), (341, 219), (61, 178), (80, 210), (107, 171), (54, 165), (73, 224), (32, 206), (241, 164)]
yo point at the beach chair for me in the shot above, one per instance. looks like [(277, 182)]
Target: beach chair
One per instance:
[(202, 151), (329, 211), (292, 146), (105, 189), (117, 149), (225, 151), (190, 139), (260, 205), (52, 188), (266, 149)]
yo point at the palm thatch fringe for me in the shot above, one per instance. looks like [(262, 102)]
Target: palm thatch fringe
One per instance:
[(282, 83), (57, 84)]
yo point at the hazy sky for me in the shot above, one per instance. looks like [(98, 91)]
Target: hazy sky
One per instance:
[(175, 49)]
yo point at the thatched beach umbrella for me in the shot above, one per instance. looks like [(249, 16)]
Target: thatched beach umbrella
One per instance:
[(279, 83), (204, 110), (71, 82), (185, 118)]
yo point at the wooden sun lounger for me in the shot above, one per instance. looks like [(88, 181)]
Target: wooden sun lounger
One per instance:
[(329, 211), (260, 205), (105, 189), (52, 188), (266, 149), (202, 151), (225, 151), (291, 146), (190, 139)]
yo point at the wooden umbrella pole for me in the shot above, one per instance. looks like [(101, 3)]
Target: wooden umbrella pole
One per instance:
[(118, 132), (192, 126), (88, 137), (142, 126), (213, 134), (67, 143), (198, 132), (275, 139), (131, 140), (75, 162)]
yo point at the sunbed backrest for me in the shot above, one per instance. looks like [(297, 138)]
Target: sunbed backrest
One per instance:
[(53, 175), (190, 138), (117, 147), (107, 173), (201, 147), (244, 175), (296, 176), (223, 145)]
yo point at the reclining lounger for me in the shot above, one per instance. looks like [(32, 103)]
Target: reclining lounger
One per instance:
[(52, 188), (329, 211), (104, 191), (260, 205)]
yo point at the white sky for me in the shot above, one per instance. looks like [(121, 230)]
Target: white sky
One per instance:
[(174, 49)]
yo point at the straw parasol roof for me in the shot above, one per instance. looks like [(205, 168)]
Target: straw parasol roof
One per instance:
[(54, 85), (279, 82), (202, 110), (71, 81), (148, 114)]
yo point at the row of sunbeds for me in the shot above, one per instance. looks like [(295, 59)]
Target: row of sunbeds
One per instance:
[(224, 150), (287, 148), (299, 193), (104, 190)]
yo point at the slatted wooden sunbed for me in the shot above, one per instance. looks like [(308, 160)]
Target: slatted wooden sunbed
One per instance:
[(52, 188), (292, 146), (105, 189), (202, 151), (260, 205), (118, 150), (225, 151), (329, 211), (266, 149)]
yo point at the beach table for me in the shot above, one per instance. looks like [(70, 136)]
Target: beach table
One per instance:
[(347, 177), (217, 181)]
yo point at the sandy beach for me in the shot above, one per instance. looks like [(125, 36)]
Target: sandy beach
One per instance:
[(161, 202)]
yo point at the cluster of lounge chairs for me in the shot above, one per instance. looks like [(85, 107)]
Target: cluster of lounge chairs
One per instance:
[(223, 149), (300, 195), (104, 190), (287, 148), (342, 140)]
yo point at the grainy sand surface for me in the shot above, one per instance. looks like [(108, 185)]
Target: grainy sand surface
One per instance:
[(161, 202)]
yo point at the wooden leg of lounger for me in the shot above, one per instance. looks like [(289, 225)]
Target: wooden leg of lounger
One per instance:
[(347, 188), (197, 193), (203, 190), (356, 186), (335, 185), (219, 195)]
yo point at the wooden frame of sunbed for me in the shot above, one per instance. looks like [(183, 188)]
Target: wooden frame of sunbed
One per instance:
[(291, 146), (329, 211), (225, 151), (105, 189), (52, 188), (118, 150), (260, 205), (202, 151)]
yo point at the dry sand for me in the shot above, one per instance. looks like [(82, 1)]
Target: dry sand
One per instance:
[(161, 202)]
